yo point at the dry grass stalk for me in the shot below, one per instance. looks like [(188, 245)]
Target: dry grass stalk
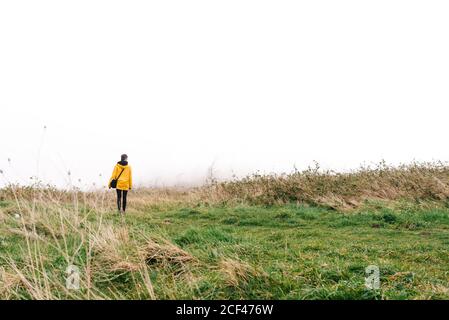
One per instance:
[(113, 250), (235, 271), (164, 253)]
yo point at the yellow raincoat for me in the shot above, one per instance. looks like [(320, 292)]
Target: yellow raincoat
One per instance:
[(125, 182)]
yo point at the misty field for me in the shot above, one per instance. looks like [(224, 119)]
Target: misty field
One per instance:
[(306, 235)]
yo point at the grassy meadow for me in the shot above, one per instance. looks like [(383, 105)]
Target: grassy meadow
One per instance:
[(304, 235)]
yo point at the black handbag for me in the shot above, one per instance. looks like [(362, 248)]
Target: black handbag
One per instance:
[(114, 181)]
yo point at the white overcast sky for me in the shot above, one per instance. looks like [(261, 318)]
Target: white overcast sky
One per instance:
[(246, 85)]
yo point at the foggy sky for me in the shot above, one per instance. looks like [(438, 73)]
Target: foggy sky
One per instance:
[(240, 85)]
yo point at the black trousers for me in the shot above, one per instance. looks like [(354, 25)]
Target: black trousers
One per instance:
[(121, 194)]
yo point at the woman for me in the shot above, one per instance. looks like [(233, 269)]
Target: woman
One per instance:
[(122, 180)]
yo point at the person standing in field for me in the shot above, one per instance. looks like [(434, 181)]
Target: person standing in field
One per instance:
[(122, 181)]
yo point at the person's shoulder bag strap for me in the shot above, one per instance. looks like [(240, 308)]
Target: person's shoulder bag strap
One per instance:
[(120, 174)]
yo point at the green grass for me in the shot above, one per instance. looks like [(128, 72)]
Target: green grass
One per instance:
[(287, 252), (311, 253)]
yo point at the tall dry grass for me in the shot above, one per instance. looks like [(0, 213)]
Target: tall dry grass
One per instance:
[(416, 182), (58, 229)]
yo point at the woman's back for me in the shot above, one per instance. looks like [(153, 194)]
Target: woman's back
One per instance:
[(123, 172)]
